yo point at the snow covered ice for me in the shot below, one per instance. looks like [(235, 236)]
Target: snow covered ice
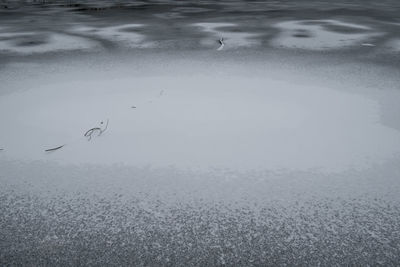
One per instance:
[(280, 148)]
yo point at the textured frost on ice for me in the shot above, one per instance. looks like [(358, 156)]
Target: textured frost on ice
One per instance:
[(123, 35), (42, 42), (231, 38), (319, 35), (153, 216)]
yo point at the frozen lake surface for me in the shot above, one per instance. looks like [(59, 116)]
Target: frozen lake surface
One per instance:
[(238, 134)]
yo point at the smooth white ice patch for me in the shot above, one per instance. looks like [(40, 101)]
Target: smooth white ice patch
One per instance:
[(4, 35), (314, 35), (123, 35), (200, 121), (345, 24), (231, 39), (30, 43)]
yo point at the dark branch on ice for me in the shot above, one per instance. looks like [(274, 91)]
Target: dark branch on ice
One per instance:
[(221, 42), (54, 149)]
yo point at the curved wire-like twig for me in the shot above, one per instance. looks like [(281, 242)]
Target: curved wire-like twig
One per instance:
[(105, 128), (92, 130), (54, 149), (221, 42)]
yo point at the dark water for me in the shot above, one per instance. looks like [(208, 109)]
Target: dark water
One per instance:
[(173, 24)]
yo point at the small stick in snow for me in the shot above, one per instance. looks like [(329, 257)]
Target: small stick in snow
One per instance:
[(54, 149), (221, 42), (1, 149), (89, 132), (133, 107)]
